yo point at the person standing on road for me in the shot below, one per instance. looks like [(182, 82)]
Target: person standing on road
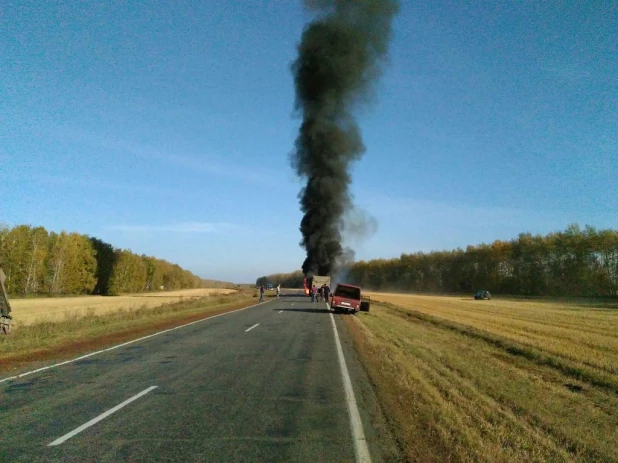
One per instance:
[(326, 292), (262, 293), (278, 290), (313, 293)]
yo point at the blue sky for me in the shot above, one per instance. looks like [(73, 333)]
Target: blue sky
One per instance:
[(165, 127)]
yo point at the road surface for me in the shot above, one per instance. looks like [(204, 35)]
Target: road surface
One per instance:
[(261, 384)]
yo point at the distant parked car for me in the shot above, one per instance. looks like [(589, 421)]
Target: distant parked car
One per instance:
[(269, 286), (482, 295)]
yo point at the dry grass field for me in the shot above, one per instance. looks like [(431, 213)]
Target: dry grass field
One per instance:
[(34, 310), (494, 381)]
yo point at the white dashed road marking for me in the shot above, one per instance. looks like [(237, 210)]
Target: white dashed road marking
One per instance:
[(123, 344), (60, 440)]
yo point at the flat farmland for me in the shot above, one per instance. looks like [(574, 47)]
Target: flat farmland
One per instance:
[(28, 311), (506, 380)]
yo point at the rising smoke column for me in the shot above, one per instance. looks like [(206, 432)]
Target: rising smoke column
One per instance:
[(338, 58)]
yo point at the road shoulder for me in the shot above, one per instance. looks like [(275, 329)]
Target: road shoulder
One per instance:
[(382, 445)]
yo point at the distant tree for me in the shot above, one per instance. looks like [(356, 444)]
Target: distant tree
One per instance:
[(72, 265), (38, 262), (572, 262), (286, 280), (154, 275), (36, 255), (15, 258), (129, 273), (106, 259)]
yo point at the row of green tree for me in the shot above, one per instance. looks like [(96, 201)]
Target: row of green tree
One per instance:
[(574, 262), (286, 280), (38, 262)]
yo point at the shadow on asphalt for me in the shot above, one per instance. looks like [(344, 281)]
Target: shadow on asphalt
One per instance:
[(305, 310), (283, 296)]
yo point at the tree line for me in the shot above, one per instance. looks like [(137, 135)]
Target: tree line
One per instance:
[(573, 262), (38, 262), (286, 280)]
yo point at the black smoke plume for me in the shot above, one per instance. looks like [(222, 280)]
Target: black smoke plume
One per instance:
[(339, 57)]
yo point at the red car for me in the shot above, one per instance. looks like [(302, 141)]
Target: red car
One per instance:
[(346, 298)]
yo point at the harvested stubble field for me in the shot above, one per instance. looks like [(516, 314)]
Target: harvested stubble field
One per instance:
[(35, 310), (495, 381)]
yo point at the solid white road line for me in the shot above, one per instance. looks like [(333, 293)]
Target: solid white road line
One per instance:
[(249, 329), (60, 440), (123, 344), (360, 444)]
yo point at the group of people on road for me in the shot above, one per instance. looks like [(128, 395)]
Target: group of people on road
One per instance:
[(263, 289), (320, 294)]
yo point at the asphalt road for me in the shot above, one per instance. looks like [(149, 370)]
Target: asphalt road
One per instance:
[(260, 384)]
